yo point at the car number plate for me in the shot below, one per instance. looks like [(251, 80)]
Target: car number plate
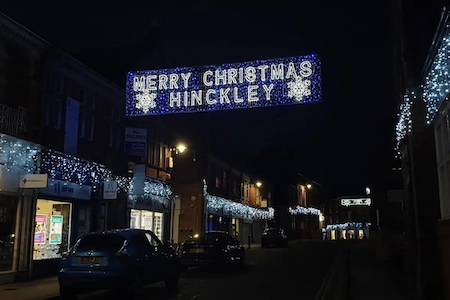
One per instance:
[(197, 250), (90, 260)]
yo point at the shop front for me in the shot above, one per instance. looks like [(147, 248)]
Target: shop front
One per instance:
[(68, 207), (147, 219), (219, 222), (17, 158), (240, 220), (63, 213), (149, 207), (348, 231)]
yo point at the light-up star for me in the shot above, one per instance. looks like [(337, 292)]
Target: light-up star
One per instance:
[(145, 101), (299, 88)]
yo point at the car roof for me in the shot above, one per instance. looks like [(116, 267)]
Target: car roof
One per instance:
[(218, 231), (120, 231)]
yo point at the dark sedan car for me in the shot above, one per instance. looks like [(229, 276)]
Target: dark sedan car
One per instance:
[(274, 236), (123, 260), (212, 249)]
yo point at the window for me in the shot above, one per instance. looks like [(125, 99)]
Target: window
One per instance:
[(53, 112), (86, 125), (114, 136), (224, 179), (96, 241), (217, 182), (158, 154), (153, 240), (140, 241), (54, 83), (51, 229), (246, 191)]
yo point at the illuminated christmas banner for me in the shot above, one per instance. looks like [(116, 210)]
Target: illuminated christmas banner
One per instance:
[(261, 83)]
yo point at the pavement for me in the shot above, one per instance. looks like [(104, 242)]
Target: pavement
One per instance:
[(363, 272), (370, 277), (37, 289)]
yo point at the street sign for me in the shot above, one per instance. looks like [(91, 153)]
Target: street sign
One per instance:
[(356, 202)]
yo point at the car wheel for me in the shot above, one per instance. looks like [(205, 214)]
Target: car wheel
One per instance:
[(67, 293)]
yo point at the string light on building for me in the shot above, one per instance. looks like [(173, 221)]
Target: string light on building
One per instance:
[(301, 210), (236, 209), (436, 86), (404, 124), (18, 155)]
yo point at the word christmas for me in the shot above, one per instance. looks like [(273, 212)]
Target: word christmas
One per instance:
[(250, 84)]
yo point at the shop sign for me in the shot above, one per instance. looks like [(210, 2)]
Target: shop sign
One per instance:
[(110, 189), (356, 201), (135, 141), (31, 181), (72, 190)]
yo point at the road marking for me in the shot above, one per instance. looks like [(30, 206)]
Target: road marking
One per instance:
[(328, 278)]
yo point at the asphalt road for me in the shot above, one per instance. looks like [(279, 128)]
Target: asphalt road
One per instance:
[(301, 269)]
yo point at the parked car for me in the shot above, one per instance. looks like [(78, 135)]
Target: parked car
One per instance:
[(211, 249), (123, 260), (274, 236)]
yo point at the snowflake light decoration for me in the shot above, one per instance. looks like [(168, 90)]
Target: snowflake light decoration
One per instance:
[(145, 101), (299, 88)]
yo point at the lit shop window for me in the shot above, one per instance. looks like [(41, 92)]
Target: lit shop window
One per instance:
[(149, 220), (51, 229)]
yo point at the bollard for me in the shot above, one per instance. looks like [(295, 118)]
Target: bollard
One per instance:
[(249, 240)]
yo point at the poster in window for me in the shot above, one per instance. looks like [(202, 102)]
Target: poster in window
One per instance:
[(56, 223), (40, 228), (147, 222)]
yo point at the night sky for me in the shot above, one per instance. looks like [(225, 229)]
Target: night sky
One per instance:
[(345, 142)]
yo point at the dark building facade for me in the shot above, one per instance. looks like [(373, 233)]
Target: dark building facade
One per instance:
[(421, 140), (214, 195), (64, 121)]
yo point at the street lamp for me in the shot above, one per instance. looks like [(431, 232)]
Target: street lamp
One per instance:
[(181, 148)]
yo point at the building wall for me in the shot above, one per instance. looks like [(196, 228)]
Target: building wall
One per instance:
[(192, 215)]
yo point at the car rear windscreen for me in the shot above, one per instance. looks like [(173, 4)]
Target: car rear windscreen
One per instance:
[(110, 241)]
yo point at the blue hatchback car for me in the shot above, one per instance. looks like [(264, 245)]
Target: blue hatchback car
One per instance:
[(123, 260)]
